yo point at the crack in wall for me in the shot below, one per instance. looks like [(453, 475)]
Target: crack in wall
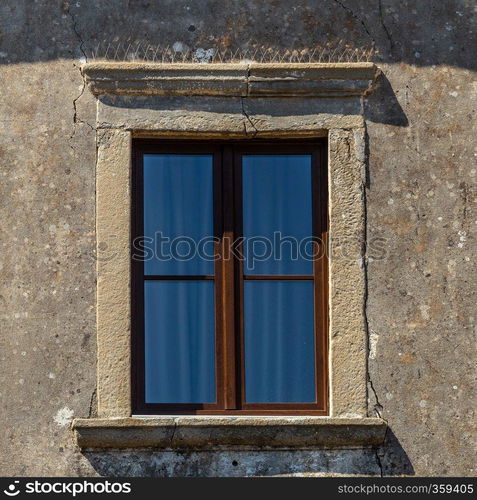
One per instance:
[(255, 130), (378, 460), (381, 451), (377, 406), (244, 113), (355, 16), (75, 110), (388, 34), (77, 33), (174, 429), (92, 411), (92, 404), (83, 88)]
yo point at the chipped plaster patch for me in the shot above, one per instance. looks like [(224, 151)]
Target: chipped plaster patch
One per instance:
[(373, 342), (203, 55), (451, 268), (64, 416), (462, 239), (359, 146), (180, 47), (351, 415), (425, 312)]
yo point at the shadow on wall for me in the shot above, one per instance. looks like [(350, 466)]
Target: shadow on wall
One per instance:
[(420, 33), (264, 462), (394, 461), (382, 105)]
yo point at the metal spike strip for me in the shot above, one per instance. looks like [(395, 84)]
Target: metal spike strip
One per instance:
[(142, 51)]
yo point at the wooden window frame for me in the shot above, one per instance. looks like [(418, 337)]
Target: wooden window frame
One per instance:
[(229, 277)]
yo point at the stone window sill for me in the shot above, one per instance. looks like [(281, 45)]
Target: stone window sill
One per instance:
[(199, 432)]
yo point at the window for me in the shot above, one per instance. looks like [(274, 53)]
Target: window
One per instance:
[(229, 278), (250, 103)]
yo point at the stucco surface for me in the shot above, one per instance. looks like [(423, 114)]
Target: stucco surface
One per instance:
[(420, 186)]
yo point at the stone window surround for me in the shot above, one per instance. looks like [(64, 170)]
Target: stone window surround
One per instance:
[(243, 100)]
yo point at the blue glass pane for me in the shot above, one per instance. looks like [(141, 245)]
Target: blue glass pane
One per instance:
[(279, 342), (277, 214), (178, 205), (179, 341)]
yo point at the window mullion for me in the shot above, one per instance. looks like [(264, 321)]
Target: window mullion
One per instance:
[(229, 368), (238, 282)]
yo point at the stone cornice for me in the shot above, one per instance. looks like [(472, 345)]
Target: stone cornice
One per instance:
[(185, 432), (240, 80)]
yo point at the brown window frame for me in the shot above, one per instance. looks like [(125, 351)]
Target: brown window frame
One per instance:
[(229, 278)]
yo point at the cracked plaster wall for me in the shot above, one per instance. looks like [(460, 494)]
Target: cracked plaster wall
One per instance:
[(420, 198)]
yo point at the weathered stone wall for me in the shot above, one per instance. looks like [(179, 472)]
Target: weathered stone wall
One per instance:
[(420, 199)]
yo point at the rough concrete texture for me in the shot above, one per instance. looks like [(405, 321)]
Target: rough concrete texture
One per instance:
[(235, 463), (420, 197)]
